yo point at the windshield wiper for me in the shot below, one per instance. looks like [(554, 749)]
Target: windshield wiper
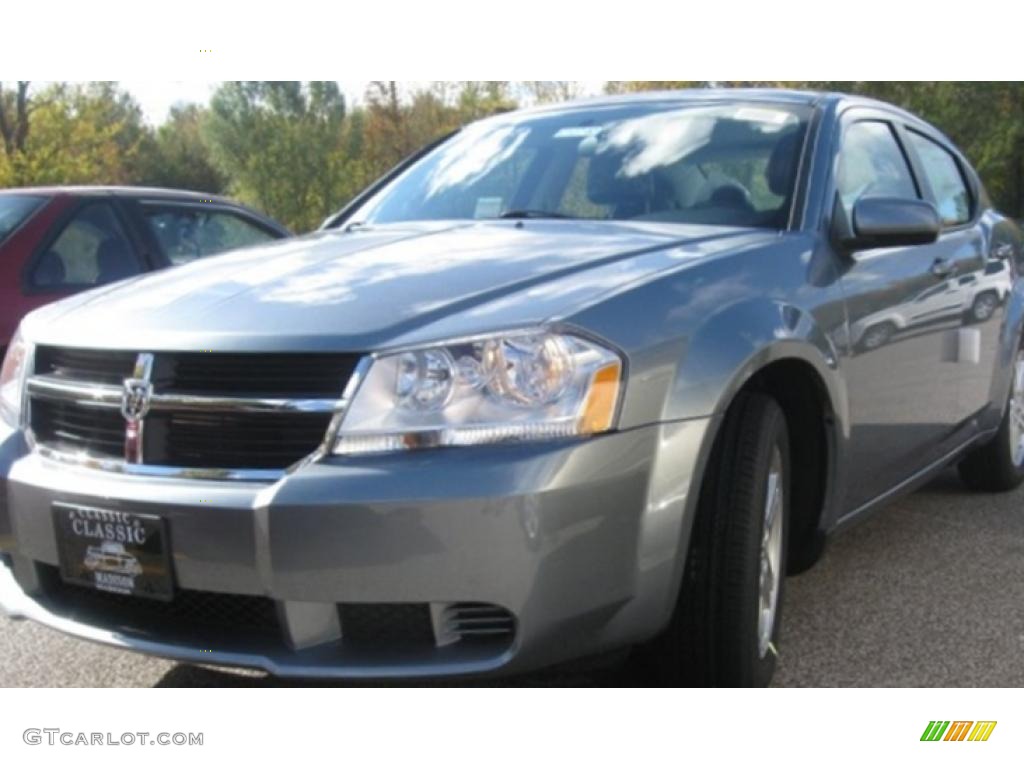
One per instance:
[(533, 213)]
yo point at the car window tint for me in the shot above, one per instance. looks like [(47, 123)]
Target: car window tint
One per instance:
[(187, 233), (871, 163), (14, 209), (944, 177), (91, 249)]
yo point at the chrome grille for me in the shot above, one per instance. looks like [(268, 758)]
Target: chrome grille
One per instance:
[(204, 410)]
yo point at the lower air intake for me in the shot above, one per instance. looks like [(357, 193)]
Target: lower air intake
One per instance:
[(475, 623)]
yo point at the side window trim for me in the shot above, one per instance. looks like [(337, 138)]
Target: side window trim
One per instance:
[(847, 117), (917, 173), (967, 178), (912, 169)]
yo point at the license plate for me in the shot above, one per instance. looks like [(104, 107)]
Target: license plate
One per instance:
[(114, 551)]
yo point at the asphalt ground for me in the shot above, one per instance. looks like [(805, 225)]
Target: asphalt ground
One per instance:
[(927, 592)]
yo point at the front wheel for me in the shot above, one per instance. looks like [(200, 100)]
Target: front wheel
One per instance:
[(877, 336), (984, 306), (999, 464), (726, 624)]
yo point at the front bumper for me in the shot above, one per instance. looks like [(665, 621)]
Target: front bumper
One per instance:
[(580, 541)]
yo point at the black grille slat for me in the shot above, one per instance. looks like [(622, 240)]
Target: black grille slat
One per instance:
[(300, 375), (98, 366), (66, 425), (233, 440), (481, 622)]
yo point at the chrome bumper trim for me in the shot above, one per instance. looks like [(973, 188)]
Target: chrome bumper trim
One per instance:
[(86, 461)]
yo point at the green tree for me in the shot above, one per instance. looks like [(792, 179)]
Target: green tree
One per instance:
[(283, 146), (89, 133), (178, 157)]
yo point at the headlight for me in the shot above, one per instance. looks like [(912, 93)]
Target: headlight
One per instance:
[(518, 386), (12, 380)]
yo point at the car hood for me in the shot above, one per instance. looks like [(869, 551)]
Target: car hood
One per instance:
[(372, 288)]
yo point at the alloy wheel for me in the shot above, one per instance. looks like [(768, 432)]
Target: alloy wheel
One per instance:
[(771, 553), (1016, 430)]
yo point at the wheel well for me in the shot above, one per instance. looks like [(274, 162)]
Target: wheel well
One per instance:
[(800, 392)]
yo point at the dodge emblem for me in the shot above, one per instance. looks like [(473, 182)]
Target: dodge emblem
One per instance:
[(135, 399)]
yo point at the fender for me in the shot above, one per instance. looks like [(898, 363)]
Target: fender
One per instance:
[(1009, 342), (740, 340), (721, 358)]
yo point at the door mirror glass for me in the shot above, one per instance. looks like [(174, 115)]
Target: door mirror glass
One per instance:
[(889, 222)]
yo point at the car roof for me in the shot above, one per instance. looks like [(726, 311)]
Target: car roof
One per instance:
[(120, 191), (145, 193), (781, 96)]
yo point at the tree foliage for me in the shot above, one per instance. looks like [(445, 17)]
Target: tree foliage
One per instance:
[(179, 158), (282, 145), (77, 134)]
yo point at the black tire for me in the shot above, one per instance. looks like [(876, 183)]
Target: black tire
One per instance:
[(992, 467), (877, 336), (984, 306), (713, 638)]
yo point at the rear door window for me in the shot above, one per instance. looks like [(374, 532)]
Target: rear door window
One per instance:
[(186, 233), (91, 249), (14, 210)]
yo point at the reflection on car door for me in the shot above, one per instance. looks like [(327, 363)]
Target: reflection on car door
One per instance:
[(903, 320), (985, 282)]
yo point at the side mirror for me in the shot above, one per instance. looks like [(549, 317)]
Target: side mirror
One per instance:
[(887, 222)]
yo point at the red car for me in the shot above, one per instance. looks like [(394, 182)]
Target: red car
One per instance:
[(56, 241)]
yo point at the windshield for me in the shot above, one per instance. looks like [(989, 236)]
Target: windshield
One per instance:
[(726, 164), (14, 209)]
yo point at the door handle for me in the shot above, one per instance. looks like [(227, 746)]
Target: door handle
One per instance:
[(943, 267)]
